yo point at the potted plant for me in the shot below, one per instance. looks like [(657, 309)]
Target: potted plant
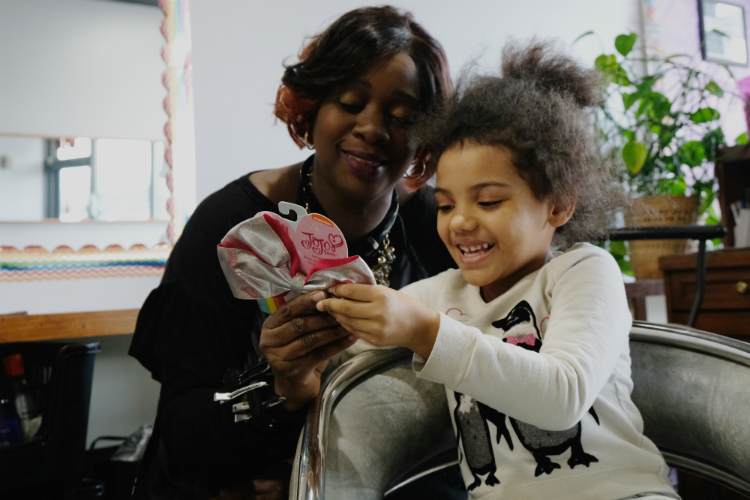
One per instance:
[(662, 124)]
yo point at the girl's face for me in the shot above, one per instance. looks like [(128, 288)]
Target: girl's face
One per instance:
[(362, 147), (494, 227)]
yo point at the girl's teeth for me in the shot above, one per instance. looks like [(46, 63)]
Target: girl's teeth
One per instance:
[(472, 249)]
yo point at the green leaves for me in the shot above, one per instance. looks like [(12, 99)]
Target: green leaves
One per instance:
[(705, 115), (634, 154), (608, 64), (714, 88), (691, 153), (741, 139), (624, 43)]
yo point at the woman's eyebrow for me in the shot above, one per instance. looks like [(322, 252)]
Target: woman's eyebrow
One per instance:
[(439, 190), (400, 93)]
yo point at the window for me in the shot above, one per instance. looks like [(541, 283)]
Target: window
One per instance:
[(105, 179)]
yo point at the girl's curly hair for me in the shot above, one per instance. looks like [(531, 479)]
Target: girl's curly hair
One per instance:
[(537, 110)]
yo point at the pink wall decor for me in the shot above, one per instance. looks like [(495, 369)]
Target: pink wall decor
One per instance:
[(180, 127)]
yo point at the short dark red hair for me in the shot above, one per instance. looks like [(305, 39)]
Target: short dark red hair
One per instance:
[(349, 47)]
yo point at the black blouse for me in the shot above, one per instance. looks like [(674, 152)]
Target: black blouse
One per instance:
[(191, 330)]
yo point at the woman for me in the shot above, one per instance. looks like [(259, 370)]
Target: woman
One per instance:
[(352, 97)]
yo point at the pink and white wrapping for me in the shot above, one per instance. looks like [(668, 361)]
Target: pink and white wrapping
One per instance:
[(260, 261)]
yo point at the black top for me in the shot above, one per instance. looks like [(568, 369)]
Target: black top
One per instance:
[(191, 330)]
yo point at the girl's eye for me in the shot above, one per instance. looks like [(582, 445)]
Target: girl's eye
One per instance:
[(489, 203), (445, 208)]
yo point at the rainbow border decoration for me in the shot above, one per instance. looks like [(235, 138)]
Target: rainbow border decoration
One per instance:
[(34, 263)]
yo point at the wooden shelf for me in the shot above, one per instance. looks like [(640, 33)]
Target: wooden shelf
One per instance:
[(25, 328)]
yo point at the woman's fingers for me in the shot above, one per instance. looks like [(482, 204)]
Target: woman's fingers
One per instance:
[(304, 304), (312, 341), (329, 350)]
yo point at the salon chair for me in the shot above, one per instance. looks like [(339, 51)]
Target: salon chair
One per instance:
[(375, 427)]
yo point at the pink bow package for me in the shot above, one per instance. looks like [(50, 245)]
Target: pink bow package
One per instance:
[(272, 259)]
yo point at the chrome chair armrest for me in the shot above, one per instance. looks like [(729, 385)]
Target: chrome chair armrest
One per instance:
[(389, 423)]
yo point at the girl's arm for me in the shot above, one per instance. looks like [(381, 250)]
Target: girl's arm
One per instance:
[(586, 334)]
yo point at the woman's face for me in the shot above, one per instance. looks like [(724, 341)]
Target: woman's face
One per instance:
[(360, 133)]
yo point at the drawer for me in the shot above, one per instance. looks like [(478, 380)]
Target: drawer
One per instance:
[(721, 289), (729, 323)]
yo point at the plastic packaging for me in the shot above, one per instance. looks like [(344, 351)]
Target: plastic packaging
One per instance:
[(23, 396)]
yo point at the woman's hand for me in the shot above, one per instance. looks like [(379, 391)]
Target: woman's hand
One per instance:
[(298, 341), (383, 317)]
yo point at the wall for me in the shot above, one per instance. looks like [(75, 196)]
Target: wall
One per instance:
[(239, 47), (672, 27), (81, 68)]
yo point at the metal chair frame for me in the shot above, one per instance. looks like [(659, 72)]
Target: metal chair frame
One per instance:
[(308, 479)]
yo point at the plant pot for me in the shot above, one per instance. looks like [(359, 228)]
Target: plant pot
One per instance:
[(650, 211)]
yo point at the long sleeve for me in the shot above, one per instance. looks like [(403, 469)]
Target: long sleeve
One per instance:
[(585, 333)]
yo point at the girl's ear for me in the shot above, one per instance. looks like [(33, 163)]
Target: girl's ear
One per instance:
[(562, 212)]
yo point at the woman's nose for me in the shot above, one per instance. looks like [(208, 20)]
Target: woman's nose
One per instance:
[(372, 126)]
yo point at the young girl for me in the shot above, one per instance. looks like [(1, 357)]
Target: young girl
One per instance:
[(531, 346)]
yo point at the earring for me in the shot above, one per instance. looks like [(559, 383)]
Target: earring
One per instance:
[(424, 169), (307, 144)]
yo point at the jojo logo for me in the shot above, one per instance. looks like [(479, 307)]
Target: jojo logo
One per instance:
[(320, 246)]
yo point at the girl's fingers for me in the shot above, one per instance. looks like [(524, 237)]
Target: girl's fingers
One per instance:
[(353, 291), (356, 326), (345, 307)]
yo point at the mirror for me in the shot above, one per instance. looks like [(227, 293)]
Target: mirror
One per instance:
[(82, 179), (89, 110)]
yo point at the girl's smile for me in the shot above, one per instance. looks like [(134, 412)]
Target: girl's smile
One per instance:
[(490, 220)]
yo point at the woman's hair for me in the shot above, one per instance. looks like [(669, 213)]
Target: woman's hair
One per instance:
[(537, 110), (349, 47)]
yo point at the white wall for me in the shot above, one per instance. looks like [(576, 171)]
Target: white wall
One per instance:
[(123, 394), (81, 68), (239, 47)]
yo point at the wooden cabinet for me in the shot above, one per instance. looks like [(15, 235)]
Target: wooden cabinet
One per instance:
[(726, 302)]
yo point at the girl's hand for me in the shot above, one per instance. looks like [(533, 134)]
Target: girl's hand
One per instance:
[(383, 317)]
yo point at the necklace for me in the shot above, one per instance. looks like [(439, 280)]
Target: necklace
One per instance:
[(380, 271)]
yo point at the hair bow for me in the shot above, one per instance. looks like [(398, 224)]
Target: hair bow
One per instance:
[(529, 339), (260, 261)]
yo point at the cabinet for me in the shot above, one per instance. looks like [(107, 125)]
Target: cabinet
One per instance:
[(726, 302)]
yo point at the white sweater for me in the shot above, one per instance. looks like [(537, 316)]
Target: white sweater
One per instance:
[(540, 357)]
